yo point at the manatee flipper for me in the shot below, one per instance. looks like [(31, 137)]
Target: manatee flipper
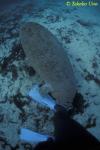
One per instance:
[(45, 89), (61, 100)]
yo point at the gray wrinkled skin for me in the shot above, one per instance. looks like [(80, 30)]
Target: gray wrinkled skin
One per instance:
[(49, 59)]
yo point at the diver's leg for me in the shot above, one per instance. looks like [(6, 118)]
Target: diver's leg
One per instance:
[(69, 131)]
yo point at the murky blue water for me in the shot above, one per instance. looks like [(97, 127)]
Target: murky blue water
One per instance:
[(78, 29)]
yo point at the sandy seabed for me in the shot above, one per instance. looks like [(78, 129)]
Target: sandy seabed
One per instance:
[(79, 31)]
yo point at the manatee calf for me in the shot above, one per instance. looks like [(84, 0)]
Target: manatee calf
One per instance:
[(49, 59)]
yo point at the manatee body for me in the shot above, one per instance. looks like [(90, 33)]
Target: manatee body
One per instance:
[(48, 57)]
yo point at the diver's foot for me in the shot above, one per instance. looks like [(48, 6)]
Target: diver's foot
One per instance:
[(35, 95)]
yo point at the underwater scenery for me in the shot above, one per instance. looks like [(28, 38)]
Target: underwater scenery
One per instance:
[(55, 25)]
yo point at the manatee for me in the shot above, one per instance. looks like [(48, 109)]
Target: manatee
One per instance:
[(48, 57)]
